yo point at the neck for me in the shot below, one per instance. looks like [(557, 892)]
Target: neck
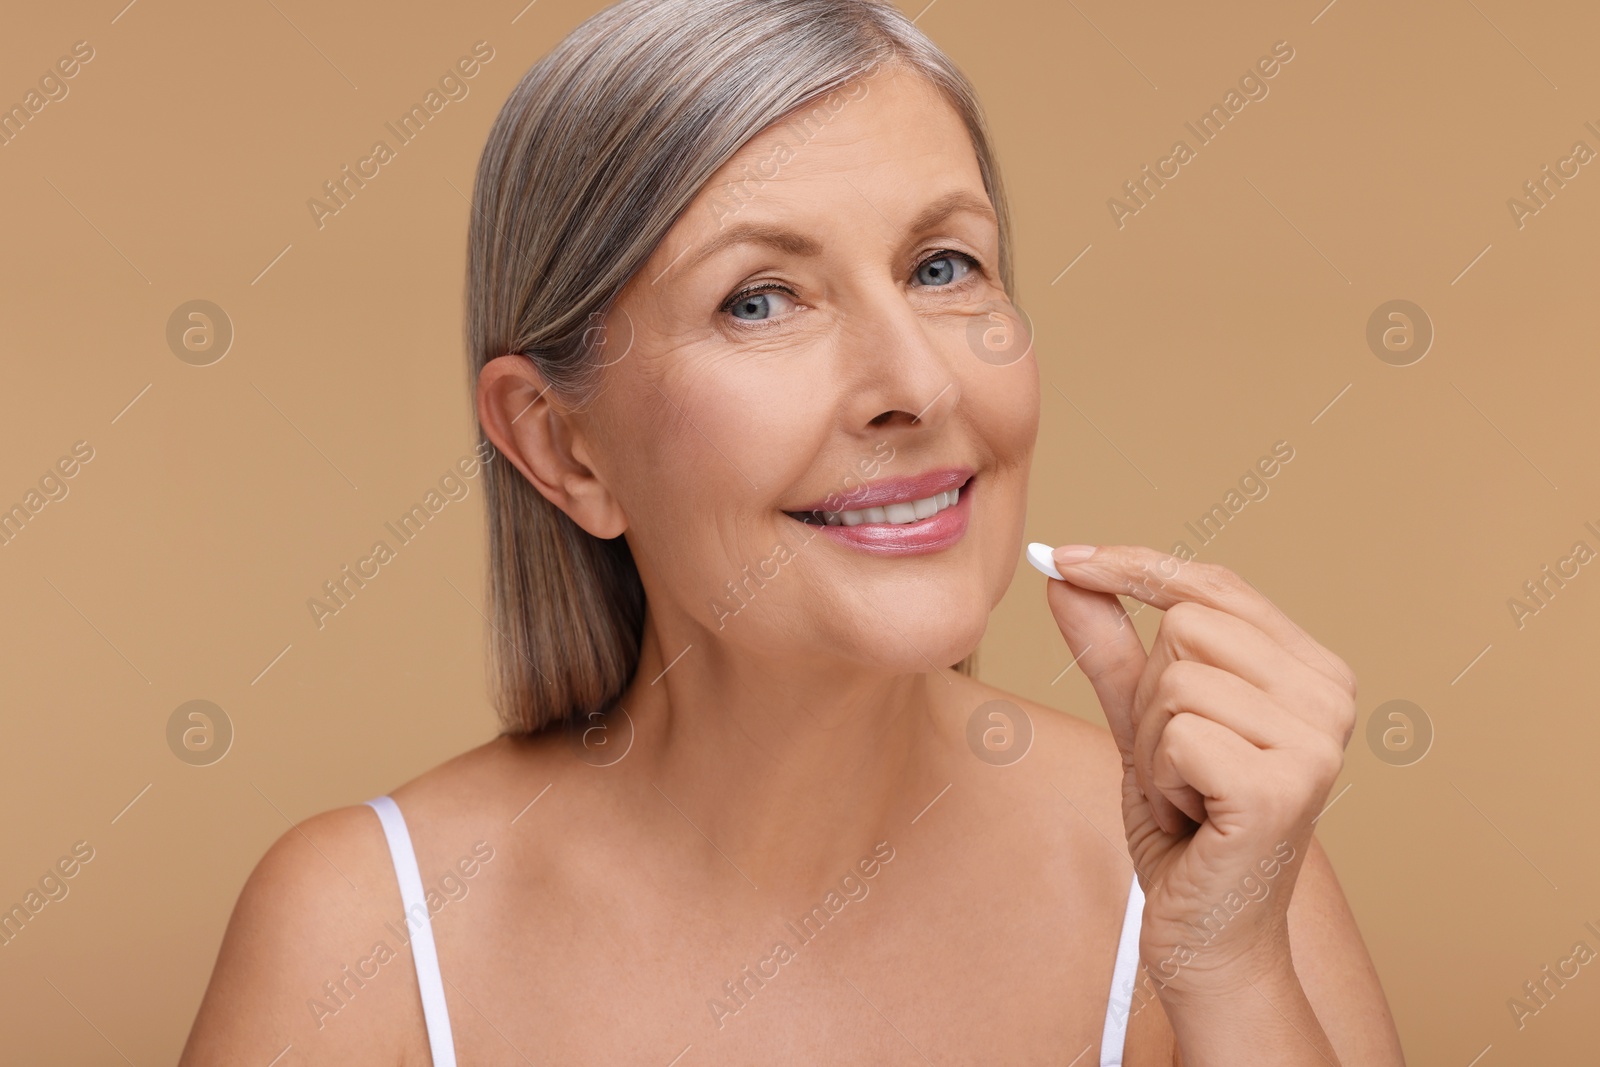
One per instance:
[(793, 769)]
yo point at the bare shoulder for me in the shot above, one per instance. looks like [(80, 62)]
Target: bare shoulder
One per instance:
[(1078, 756), (1060, 775), (317, 921), (299, 925), (486, 786), (1083, 763)]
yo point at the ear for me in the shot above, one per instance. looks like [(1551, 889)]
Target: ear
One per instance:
[(525, 421)]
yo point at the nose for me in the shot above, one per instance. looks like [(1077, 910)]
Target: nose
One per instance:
[(902, 375)]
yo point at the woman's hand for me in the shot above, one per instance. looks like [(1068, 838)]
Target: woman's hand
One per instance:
[(1232, 730)]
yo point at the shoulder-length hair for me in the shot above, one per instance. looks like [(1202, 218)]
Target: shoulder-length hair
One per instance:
[(592, 158)]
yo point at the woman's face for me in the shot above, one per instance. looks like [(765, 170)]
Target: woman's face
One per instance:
[(822, 332)]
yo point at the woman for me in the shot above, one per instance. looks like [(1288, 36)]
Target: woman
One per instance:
[(762, 414)]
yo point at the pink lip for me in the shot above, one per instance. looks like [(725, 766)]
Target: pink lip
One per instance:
[(899, 539), (892, 490)]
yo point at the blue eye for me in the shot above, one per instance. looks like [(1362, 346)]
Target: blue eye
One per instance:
[(757, 304), (940, 270)]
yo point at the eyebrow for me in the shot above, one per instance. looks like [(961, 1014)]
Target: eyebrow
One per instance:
[(798, 244)]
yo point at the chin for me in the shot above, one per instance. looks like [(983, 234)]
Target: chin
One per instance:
[(912, 641)]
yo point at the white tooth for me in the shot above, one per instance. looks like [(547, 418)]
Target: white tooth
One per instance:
[(955, 495), (875, 515), (943, 499), (926, 507), (832, 518), (852, 518), (900, 513)]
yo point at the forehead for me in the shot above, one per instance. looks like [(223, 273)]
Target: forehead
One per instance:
[(857, 146)]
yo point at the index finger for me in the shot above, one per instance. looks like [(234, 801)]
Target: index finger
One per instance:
[(1162, 580)]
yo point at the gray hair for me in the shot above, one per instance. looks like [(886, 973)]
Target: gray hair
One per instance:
[(594, 156)]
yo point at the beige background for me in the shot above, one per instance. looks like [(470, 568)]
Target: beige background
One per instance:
[(1228, 314)]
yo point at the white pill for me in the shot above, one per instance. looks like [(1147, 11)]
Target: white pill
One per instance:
[(1043, 558)]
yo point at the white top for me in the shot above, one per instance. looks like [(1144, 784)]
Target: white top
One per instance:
[(431, 982)]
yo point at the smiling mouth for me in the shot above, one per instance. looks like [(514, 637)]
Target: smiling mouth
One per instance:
[(899, 513)]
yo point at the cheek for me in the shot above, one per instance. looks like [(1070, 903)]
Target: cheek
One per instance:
[(703, 454), (1025, 427), (1002, 407), (743, 430)]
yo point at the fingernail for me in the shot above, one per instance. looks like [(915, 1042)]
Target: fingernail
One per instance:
[(1073, 553), (1039, 556)]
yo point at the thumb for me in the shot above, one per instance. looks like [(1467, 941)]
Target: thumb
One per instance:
[(1107, 648)]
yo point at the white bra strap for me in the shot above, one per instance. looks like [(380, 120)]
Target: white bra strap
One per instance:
[(420, 925), (1122, 974)]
